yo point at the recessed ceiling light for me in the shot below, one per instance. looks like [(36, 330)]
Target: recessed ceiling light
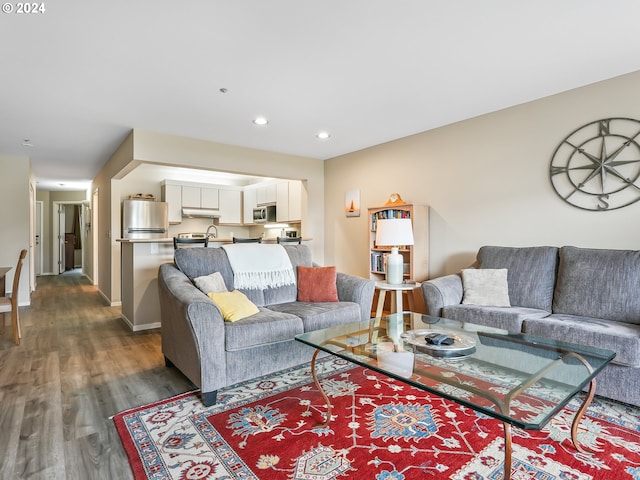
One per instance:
[(260, 121), (27, 143), (323, 135)]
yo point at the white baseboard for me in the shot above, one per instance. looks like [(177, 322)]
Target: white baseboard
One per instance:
[(138, 328)]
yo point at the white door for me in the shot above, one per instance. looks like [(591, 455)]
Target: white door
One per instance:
[(38, 239), (61, 232)]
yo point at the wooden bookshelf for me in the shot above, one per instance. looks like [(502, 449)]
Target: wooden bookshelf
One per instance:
[(416, 256)]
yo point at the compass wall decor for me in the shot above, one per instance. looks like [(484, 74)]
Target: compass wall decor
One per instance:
[(597, 166)]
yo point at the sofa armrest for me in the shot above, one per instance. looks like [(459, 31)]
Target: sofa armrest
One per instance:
[(358, 290), (193, 336), (440, 292)]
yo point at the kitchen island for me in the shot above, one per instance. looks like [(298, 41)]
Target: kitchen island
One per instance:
[(140, 260)]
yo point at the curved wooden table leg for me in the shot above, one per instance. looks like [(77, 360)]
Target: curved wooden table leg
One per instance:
[(508, 451), (585, 405), (578, 417), (324, 395)]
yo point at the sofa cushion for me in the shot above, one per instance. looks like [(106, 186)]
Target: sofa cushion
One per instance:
[(531, 273), (317, 315), (599, 283), (265, 327), (622, 338), (505, 318), (485, 286), (317, 284)]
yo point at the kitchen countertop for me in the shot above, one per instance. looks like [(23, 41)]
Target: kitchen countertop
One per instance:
[(170, 240)]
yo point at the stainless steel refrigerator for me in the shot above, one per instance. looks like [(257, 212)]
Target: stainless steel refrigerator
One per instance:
[(144, 219)]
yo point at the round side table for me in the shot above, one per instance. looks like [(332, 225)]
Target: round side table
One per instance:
[(396, 300)]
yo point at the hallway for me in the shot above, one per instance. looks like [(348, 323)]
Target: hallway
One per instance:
[(77, 365)]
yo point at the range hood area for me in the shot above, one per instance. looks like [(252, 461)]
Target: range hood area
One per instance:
[(200, 212)]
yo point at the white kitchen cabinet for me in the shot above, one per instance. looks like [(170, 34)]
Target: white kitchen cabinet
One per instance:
[(289, 201), (266, 193), (190, 196), (172, 194), (282, 201), (209, 197), (295, 200), (199, 197), (249, 203), (230, 206)]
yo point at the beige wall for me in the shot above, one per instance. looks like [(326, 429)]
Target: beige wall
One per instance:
[(148, 147), (15, 218), (486, 181), (108, 227)]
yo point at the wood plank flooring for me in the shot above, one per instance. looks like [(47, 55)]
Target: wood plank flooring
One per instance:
[(77, 365)]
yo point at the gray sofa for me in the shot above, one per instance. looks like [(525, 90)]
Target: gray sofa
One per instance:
[(213, 353), (578, 295)]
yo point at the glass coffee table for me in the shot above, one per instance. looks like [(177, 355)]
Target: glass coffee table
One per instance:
[(485, 369)]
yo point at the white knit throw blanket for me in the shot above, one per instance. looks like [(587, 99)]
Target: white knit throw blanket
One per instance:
[(257, 266)]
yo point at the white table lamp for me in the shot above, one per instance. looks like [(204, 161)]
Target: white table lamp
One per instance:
[(393, 232)]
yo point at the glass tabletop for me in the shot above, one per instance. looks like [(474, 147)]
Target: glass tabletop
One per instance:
[(519, 379)]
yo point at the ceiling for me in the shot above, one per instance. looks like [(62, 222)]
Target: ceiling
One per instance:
[(80, 75)]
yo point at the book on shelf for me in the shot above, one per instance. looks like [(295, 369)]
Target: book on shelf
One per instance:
[(387, 214), (379, 262)]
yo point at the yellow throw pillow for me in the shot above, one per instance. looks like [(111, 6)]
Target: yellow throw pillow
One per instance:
[(234, 305)]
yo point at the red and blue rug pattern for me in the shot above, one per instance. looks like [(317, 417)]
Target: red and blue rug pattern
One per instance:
[(381, 429)]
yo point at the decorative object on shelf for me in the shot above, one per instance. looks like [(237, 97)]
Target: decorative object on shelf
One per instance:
[(352, 203), (142, 196), (395, 199), (394, 232), (597, 166)]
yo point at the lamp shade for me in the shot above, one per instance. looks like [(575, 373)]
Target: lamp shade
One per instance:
[(392, 232)]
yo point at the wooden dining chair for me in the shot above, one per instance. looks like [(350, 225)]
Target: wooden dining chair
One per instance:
[(10, 304)]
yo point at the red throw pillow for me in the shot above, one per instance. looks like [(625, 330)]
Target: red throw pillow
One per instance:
[(317, 284)]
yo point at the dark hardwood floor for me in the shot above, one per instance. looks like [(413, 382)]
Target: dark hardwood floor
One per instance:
[(77, 365)]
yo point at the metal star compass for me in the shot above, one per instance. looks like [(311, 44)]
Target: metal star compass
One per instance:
[(597, 166)]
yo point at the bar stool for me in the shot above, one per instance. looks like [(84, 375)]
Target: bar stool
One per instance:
[(189, 242), (297, 240), (247, 240)]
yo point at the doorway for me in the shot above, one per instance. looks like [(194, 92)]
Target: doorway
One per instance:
[(38, 237), (68, 235)]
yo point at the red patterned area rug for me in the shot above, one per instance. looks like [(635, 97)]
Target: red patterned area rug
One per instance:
[(381, 429)]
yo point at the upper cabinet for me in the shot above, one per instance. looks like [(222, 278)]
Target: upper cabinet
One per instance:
[(289, 201), (250, 195), (230, 206), (266, 193), (200, 197), (172, 194), (234, 204), (226, 200)]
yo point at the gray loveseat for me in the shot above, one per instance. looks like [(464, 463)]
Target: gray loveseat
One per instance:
[(214, 353), (578, 295)]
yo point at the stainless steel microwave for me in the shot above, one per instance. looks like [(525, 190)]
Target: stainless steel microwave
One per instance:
[(265, 214)]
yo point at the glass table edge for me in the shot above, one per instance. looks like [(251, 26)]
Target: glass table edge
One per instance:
[(605, 355)]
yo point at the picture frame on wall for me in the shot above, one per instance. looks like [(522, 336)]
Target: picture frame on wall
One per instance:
[(352, 203)]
